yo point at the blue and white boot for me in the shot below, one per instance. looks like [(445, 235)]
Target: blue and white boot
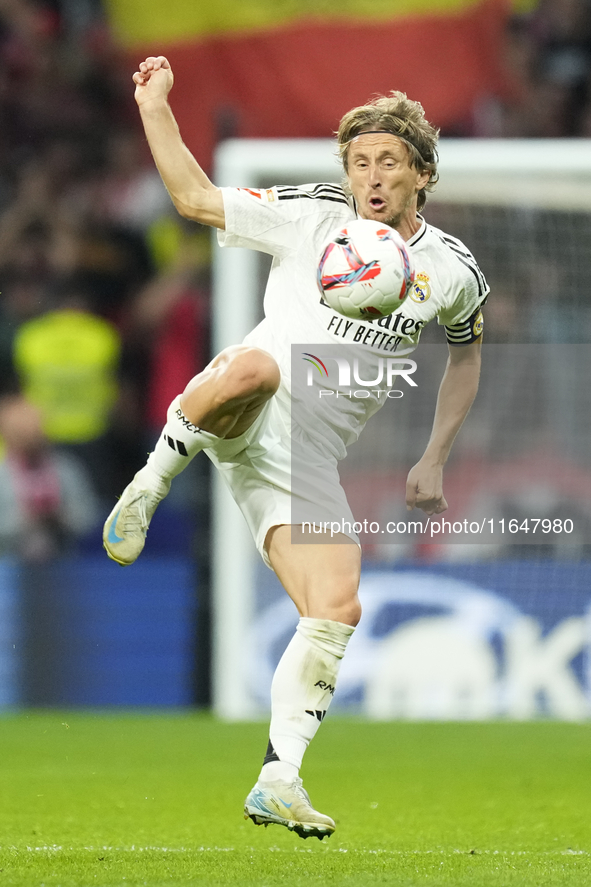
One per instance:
[(288, 804), (124, 534)]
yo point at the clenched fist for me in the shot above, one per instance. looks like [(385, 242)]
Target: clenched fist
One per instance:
[(424, 488), (153, 80)]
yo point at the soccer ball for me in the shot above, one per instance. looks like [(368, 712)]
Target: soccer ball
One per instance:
[(365, 270)]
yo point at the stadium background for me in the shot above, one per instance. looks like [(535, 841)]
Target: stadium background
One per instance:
[(105, 313)]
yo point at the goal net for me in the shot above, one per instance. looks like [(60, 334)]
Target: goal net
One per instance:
[(489, 616)]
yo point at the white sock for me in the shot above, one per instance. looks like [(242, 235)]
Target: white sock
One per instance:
[(179, 442), (301, 692)]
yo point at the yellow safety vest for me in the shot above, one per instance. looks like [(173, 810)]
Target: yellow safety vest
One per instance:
[(67, 363)]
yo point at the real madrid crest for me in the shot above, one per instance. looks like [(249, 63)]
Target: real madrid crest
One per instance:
[(478, 325), (421, 290)]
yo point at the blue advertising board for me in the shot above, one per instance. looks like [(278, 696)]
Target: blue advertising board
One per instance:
[(456, 642)]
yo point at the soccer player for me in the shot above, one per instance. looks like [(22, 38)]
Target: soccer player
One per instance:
[(238, 409)]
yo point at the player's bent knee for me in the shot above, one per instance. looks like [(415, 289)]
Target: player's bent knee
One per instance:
[(250, 371), (351, 613), (346, 611)]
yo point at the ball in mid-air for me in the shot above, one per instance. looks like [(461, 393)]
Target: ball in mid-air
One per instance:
[(365, 270)]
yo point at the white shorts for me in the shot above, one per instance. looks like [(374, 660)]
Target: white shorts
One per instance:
[(271, 488)]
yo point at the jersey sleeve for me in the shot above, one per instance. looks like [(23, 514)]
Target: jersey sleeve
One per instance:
[(274, 220), (463, 318)]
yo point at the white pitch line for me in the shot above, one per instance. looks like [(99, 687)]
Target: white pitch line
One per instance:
[(56, 848)]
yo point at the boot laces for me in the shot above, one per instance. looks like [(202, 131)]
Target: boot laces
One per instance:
[(134, 517), (299, 790)]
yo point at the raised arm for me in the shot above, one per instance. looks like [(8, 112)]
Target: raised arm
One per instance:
[(424, 487), (192, 193)]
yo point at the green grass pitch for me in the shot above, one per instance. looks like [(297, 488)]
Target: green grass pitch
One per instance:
[(156, 799)]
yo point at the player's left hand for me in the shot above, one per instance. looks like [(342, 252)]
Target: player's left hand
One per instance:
[(424, 488)]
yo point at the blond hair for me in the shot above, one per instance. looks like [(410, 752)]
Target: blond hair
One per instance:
[(400, 116)]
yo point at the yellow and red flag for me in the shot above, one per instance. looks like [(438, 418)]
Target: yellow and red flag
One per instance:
[(291, 68)]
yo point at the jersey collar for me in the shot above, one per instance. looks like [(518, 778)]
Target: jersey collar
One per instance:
[(420, 233), (415, 238)]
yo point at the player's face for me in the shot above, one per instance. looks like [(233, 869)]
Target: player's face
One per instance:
[(383, 182)]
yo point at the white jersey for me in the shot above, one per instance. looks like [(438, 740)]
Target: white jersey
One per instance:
[(293, 224)]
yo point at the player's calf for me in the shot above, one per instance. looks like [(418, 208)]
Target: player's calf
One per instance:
[(230, 393)]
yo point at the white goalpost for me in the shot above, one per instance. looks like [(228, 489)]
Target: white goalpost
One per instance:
[(236, 308), (536, 175)]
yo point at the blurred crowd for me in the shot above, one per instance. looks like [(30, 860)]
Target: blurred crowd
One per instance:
[(104, 289), (547, 61)]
